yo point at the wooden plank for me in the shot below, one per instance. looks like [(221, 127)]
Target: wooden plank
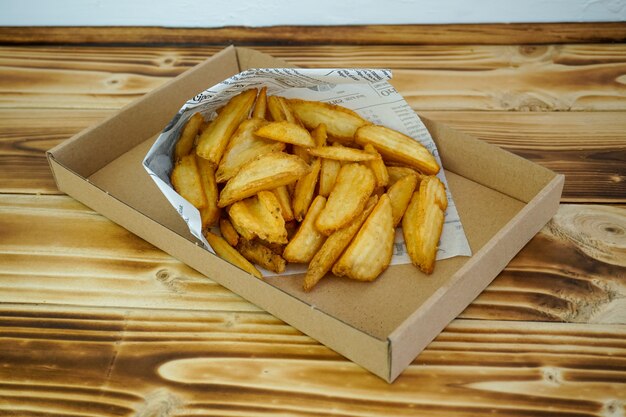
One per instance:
[(589, 148), (571, 271), (518, 33), (480, 77), (121, 362)]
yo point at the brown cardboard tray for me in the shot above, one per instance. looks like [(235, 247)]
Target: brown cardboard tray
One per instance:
[(503, 200)]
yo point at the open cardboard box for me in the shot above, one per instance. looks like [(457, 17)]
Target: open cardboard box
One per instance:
[(503, 201)]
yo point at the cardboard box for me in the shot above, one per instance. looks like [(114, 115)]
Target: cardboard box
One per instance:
[(503, 201)]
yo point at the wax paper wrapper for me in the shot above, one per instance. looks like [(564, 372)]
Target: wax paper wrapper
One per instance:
[(366, 91)]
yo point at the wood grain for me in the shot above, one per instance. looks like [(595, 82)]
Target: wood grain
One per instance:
[(146, 362), (589, 148), (480, 77), (518, 33), (564, 274)]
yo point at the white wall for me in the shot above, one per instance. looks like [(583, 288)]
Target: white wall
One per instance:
[(217, 13)]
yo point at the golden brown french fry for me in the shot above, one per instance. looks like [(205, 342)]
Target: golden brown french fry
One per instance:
[(396, 146), (400, 194), (422, 223), (275, 108), (203, 127), (243, 147), (286, 132), (369, 253), (305, 190), (210, 213), (343, 153), (319, 135), (230, 254), (188, 136), (213, 141), (377, 166), (307, 240), (334, 246), (354, 186), (341, 123), (260, 254), (260, 106), (259, 216), (397, 172), (228, 232), (328, 175), (187, 181), (265, 172), (284, 199)]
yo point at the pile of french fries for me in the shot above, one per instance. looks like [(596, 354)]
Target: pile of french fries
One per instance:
[(289, 180)]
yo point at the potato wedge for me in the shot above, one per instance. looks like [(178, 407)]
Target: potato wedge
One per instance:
[(243, 147), (213, 141), (187, 182), (334, 246), (341, 123), (396, 146), (228, 232), (275, 108), (397, 172), (319, 135), (307, 240), (188, 136), (286, 132), (400, 194), (305, 191), (343, 153), (369, 253), (259, 216), (284, 199), (261, 255), (354, 186), (265, 172), (230, 254), (328, 176), (377, 166), (422, 223), (260, 105), (210, 214)]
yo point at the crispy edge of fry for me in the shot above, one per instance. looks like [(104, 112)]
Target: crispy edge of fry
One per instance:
[(185, 143), (230, 254), (334, 246), (228, 232), (422, 223), (377, 166), (307, 240), (305, 191), (257, 253), (260, 105), (210, 213), (284, 199), (187, 182), (370, 252), (400, 194), (213, 141), (343, 153), (286, 132)]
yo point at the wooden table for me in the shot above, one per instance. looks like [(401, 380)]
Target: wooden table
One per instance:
[(93, 319)]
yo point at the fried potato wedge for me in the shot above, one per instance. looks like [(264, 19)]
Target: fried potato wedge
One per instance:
[(328, 176), (260, 105), (369, 253), (261, 255), (230, 254), (397, 172), (259, 216), (210, 213), (243, 147), (396, 146), (280, 111), (343, 153), (341, 123), (184, 145), (307, 240), (377, 166), (400, 194), (286, 132), (354, 186), (334, 246), (305, 190), (187, 181), (284, 199), (265, 172), (422, 223), (213, 141), (228, 232), (320, 135)]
